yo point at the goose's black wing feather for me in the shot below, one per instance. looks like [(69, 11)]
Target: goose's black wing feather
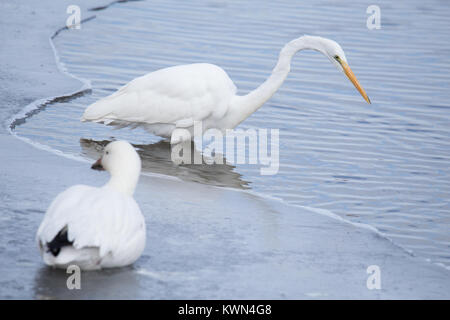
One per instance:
[(59, 241)]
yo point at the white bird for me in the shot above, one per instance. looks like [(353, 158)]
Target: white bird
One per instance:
[(93, 227), (174, 98)]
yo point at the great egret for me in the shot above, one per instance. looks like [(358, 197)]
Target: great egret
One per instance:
[(94, 227), (175, 97)]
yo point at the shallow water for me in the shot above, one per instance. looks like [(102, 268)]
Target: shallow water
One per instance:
[(384, 164)]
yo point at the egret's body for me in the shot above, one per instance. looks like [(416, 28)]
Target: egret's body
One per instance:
[(96, 228), (177, 97)]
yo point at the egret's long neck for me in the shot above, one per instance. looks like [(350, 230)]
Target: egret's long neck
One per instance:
[(124, 181), (243, 106)]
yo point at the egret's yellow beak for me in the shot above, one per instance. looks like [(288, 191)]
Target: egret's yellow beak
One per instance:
[(349, 73)]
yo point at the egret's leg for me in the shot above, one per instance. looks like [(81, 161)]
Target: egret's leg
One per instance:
[(180, 135)]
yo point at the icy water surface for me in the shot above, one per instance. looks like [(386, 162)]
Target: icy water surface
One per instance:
[(384, 164)]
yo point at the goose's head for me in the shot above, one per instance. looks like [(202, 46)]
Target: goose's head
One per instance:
[(121, 160)]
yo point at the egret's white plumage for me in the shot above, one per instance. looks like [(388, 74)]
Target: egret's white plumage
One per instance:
[(97, 227), (176, 97)]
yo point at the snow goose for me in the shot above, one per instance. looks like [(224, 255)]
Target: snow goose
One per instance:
[(93, 227)]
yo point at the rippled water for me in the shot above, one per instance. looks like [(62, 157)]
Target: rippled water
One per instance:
[(385, 164)]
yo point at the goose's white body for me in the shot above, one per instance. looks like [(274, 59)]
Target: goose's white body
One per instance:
[(176, 97), (97, 227), (107, 228)]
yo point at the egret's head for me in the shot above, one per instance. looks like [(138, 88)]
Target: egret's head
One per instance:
[(336, 55)]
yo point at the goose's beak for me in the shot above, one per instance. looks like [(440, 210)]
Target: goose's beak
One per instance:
[(98, 165), (349, 73)]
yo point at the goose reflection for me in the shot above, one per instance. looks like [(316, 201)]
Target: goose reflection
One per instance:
[(156, 158), (120, 283)]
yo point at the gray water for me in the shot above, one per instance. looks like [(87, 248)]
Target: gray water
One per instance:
[(384, 164)]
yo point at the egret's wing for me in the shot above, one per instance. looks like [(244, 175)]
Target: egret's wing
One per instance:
[(95, 217), (172, 95)]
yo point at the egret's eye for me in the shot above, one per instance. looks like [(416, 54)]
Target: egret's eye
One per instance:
[(107, 152), (336, 57)]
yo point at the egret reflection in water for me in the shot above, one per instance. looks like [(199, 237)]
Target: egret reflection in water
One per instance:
[(156, 158)]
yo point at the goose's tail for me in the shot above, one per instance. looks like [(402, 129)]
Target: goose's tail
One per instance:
[(85, 258)]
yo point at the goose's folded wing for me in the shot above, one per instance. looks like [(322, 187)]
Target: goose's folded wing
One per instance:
[(95, 217)]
